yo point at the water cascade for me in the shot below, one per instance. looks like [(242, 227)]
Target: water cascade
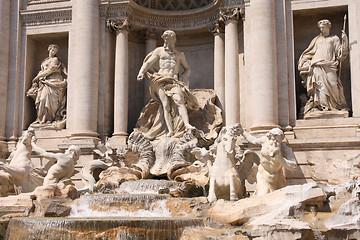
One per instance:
[(98, 228), (142, 215)]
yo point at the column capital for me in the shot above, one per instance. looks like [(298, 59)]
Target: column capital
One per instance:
[(151, 33), (116, 25), (235, 13), (218, 27)]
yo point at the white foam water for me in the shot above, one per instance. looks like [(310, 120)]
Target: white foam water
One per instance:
[(146, 186), (81, 209)]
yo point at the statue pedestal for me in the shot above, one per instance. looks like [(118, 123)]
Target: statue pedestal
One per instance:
[(83, 144), (118, 141), (327, 128), (317, 114), (50, 139)]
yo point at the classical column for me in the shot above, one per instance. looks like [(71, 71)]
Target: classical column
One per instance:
[(263, 65), (150, 40), (84, 71), (219, 63), (4, 62), (121, 93), (231, 16)]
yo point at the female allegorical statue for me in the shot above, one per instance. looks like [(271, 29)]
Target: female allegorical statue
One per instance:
[(49, 89), (319, 67)]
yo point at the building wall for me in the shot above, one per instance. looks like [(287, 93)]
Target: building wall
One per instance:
[(32, 31)]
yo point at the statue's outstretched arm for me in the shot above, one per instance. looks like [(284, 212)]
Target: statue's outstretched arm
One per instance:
[(254, 140), (43, 153)]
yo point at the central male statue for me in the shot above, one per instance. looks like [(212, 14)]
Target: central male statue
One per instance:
[(169, 91)]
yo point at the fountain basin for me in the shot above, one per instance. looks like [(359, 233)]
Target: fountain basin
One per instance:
[(129, 205), (129, 202)]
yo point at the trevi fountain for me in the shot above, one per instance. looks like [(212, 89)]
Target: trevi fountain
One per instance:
[(180, 119)]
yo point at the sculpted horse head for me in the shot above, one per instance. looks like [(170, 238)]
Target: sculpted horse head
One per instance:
[(227, 140), (225, 180), (20, 169)]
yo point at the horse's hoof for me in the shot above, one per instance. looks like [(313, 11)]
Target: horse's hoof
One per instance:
[(211, 199)]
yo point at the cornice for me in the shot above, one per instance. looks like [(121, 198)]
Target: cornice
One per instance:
[(46, 17), (114, 9), (140, 17), (33, 2)]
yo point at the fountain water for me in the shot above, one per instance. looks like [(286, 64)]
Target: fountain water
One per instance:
[(98, 228), (140, 215)]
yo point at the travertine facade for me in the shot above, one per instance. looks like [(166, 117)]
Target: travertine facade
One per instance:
[(250, 59)]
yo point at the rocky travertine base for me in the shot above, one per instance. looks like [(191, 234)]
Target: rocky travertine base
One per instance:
[(270, 208), (310, 211), (202, 233)]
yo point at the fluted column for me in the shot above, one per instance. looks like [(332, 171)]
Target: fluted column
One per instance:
[(4, 62), (150, 40), (84, 71), (219, 63), (121, 93), (231, 17), (263, 65)]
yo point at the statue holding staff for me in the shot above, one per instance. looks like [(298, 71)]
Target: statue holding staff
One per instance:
[(319, 68)]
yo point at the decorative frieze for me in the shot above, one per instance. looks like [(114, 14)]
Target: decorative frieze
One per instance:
[(175, 22)]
